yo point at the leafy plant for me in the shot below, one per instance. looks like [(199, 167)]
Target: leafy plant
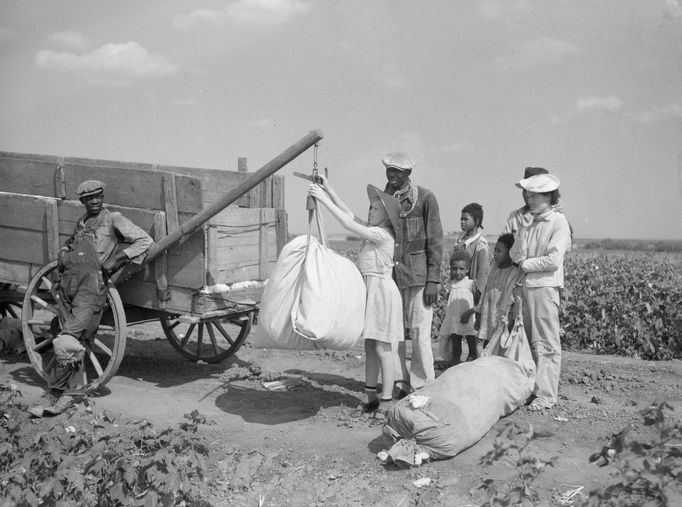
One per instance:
[(88, 459), (650, 473), (511, 447)]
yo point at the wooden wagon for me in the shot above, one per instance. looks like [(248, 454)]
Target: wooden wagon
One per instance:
[(217, 234)]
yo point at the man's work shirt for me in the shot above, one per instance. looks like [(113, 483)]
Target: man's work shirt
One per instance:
[(419, 244), (111, 229)]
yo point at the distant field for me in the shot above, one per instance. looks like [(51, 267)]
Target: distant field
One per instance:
[(620, 297)]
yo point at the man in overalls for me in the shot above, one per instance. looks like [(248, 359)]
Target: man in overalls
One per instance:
[(86, 261)]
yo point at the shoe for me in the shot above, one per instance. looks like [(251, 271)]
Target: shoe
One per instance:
[(51, 403), (441, 365), (370, 406), (538, 405), (400, 393)]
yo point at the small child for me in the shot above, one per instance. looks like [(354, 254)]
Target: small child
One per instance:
[(458, 322), (384, 311), (497, 302), (475, 244)]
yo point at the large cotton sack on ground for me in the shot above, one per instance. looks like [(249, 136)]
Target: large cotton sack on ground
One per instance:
[(459, 407), (314, 298)]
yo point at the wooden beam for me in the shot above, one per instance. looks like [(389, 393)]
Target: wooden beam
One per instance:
[(263, 247)]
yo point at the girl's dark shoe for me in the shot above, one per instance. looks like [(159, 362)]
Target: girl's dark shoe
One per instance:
[(370, 406), (401, 388)]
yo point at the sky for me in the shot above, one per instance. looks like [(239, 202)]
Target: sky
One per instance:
[(473, 90)]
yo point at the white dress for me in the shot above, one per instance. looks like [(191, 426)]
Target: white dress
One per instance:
[(461, 299), (384, 310)]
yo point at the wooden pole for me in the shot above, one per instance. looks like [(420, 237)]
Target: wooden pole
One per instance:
[(191, 225)]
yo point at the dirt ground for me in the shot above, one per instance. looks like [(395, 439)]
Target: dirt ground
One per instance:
[(305, 446)]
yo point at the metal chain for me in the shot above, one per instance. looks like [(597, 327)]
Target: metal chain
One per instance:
[(315, 171)]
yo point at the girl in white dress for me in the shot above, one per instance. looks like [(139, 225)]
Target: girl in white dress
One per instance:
[(384, 314)]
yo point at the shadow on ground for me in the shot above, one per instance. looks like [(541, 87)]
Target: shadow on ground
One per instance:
[(255, 404)]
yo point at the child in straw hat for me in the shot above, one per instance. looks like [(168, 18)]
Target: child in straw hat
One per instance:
[(384, 315)]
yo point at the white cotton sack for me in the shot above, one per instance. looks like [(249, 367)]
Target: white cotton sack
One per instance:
[(314, 298)]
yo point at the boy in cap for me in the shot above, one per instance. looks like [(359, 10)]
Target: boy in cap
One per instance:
[(418, 257), (539, 247), (86, 260)]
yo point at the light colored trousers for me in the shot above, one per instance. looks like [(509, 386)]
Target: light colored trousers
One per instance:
[(417, 318), (541, 320)]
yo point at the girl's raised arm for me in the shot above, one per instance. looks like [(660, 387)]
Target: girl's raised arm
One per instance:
[(345, 217)]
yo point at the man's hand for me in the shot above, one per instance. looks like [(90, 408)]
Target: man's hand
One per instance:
[(430, 293), (113, 263)]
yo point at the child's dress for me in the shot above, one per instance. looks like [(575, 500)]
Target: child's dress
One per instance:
[(477, 247), (461, 299), (497, 299), (384, 310)]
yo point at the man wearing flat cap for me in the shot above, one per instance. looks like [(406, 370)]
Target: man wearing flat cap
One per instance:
[(102, 242), (418, 258)]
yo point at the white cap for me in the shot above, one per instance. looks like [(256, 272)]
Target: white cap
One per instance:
[(539, 183)]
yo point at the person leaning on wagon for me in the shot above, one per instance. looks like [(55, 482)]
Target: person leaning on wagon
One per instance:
[(102, 242), (418, 258)]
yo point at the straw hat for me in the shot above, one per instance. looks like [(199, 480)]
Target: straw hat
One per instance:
[(391, 205)]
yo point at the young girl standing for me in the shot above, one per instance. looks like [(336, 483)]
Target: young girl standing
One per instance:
[(458, 322), (498, 298), (384, 313), (474, 243)]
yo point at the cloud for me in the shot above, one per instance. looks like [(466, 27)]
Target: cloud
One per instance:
[(457, 147), (536, 52), (74, 41), (6, 34), (608, 104), (504, 10), (259, 12), (129, 59), (660, 114), (672, 9)]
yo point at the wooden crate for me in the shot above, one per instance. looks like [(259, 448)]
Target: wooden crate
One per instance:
[(38, 211)]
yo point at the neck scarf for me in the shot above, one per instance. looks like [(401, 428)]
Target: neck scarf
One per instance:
[(408, 193)]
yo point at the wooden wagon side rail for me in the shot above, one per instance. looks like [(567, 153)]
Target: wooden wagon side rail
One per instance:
[(188, 227)]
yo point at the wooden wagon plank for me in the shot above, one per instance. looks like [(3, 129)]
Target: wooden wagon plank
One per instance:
[(23, 246), (23, 211), (14, 272), (127, 184)]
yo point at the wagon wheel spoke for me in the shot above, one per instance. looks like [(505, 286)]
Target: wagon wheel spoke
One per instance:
[(44, 304), (211, 334), (39, 322), (9, 310), (200, 339), (104, 327), (185, 339), (47, 282), (174, 324), (102, 347), (94, 360), (223, 332)]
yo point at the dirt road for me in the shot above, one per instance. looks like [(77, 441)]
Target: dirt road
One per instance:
[(305, 446)]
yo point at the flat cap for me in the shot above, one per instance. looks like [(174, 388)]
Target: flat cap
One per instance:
[(539, 183), (89, 187), (398, 160)]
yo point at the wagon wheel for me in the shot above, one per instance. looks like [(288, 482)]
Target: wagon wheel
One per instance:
[(189, 336), (40, 325), (10, 309)]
